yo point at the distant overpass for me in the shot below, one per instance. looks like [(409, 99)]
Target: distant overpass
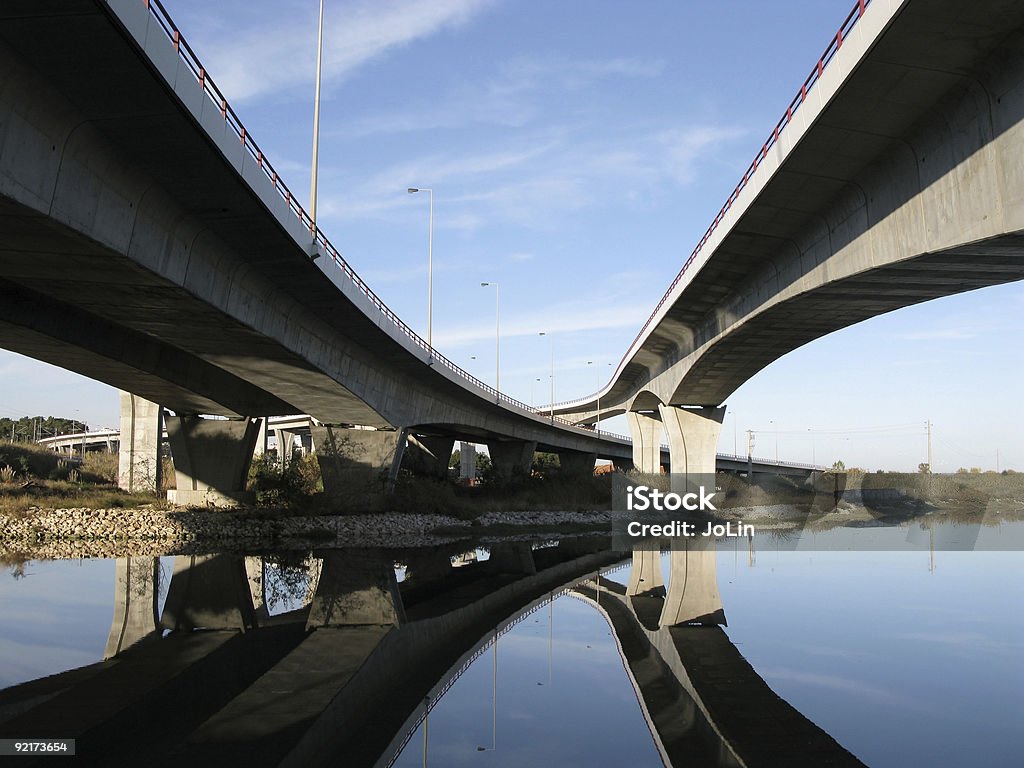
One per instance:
[(287, 429)]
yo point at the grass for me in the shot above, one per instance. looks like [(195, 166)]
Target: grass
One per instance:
[(36, 477)]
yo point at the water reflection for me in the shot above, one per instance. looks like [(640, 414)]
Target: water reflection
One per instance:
[(566, 653)]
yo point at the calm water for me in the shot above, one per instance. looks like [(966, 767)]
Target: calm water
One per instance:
[(902, 657)]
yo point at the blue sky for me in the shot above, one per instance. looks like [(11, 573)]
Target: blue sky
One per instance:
[(577, 152)]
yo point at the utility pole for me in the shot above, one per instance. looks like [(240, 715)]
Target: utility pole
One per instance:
[(750, 454), (929, 445)]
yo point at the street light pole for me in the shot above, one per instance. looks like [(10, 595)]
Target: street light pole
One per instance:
[(430, 265), (316, 121), (497, 334), (551, 343)]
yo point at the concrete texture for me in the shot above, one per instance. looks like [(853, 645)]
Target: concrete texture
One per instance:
[(693, 596), (211, 459), (692, 439), (645, 429), (208, 592), (356, 587), (573, 463), (136, 585), (645, 576), (511, 458), (428, 456), (358, 461), (139, 467)]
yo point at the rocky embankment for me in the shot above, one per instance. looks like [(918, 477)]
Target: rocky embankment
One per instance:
[(146, 530)]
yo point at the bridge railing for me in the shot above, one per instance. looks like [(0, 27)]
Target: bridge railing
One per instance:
[(773, 138), (189, 57)]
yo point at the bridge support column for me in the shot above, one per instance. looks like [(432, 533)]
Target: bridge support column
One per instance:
[(516, 557), (423, 565), (135, 607), (358, 461), (693, 596), (256, 574), (356, 587), (645, 576), (645, 429), (428, 456), (138, 463), (285, 446), (579, 464), (209, 591), (261, 439), (511, 458), (211, 460), (692, 439)]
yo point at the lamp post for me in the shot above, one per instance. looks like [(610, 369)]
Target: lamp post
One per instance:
[(597, 426), (316, 122), (430, 265), (497, 334), (551, 343)]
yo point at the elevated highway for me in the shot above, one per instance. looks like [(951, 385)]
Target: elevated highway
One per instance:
[(147, 241), (895, 176)]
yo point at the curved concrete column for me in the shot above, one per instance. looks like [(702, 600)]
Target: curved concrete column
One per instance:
[(211, 459), (692, 438), (645, 576), (135, 593), (693, 596), (138, 464), (645, 429)]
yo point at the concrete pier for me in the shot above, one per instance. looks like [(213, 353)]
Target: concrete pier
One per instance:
[(645, 577), (358, 461), (428, 456), (356, 587), (576, 463), (645, 429), (136, 585), (693, 596), (511, 457), (211, 459), (692, 440), (138, 467), (209, 592)]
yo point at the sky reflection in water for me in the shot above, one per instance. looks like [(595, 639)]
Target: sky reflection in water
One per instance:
[(903, 659)]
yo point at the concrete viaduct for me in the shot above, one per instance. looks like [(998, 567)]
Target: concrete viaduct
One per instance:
[(896, 175), (146, 241), (316, 685)]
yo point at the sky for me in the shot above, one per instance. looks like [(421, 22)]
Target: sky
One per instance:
[(577, 151)]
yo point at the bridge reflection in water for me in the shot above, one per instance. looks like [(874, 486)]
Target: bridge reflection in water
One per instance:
[(350, 676)]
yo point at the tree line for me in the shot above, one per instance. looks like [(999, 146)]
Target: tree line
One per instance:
[(29, 429)]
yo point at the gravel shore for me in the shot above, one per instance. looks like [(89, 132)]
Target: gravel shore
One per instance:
[(146, 530)]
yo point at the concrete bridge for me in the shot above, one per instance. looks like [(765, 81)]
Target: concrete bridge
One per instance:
[(352, 674), (896, 175), (148, 242)]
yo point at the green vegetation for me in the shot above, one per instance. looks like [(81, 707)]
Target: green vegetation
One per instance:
[(31, 476), (31, 428)]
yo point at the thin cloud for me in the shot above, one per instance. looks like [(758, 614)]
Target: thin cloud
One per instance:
[(354, 35)]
